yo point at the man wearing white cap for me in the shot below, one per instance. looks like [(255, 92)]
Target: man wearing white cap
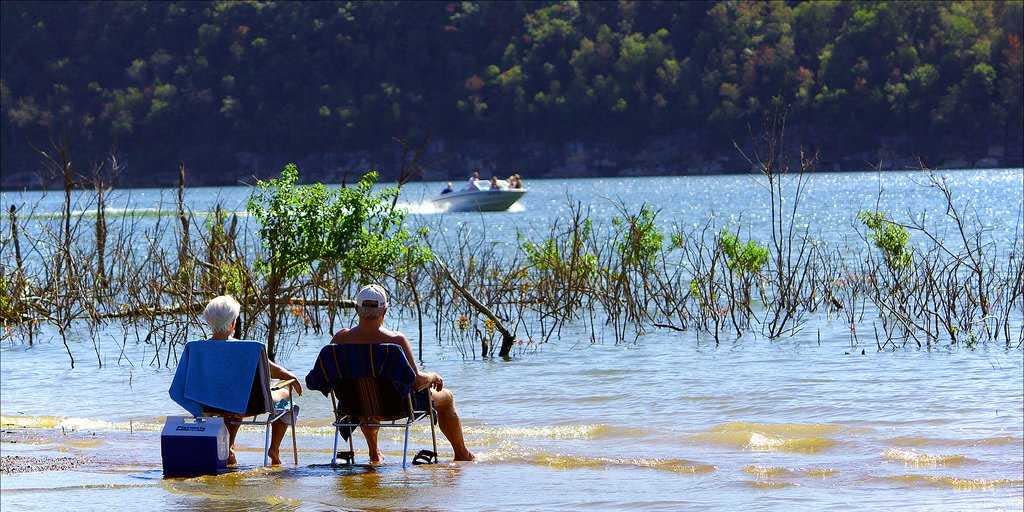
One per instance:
[(371, 305)]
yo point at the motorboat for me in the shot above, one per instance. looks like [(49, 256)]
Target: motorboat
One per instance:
[(478, 196)]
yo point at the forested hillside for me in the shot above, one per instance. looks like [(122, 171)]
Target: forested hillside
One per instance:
[(208, 81)]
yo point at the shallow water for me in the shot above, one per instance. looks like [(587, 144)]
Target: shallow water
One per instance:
[(668, 423), (659, 426)]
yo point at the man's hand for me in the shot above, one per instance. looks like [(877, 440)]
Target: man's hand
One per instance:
[(426, 380), (295, 385)]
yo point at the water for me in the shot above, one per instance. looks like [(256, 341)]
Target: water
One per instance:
[(830, 202), (667, 423)]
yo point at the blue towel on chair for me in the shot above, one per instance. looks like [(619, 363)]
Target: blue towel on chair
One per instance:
[(216, 374)]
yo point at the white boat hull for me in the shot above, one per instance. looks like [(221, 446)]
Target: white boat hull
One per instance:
[(478, 200)]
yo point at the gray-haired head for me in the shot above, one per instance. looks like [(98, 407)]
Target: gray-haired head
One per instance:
[(221, 312)]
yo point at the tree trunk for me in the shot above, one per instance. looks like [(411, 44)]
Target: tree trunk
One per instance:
[(14, 238), (66, 214), (507, 340), (183, 249), (101, 233), (419, 313), (272, 287)]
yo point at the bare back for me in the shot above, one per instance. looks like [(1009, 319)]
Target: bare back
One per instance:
[(362, 335)]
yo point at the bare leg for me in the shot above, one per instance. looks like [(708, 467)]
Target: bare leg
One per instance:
[(232, 432), (448, 420), (277, 431), (370, 433)]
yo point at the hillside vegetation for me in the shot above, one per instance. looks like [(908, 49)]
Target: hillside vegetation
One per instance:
[(204, 80)]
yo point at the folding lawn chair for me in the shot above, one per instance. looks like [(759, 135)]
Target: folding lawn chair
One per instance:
[(210, 381), (371, 385)]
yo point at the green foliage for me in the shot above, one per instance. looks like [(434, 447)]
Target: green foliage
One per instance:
[(677, 241), (742, 258), (355, 227), (641, 242), (542, 256), (547, 256), (889, 237), (232, 278), (695, 288), (705, 299), (7, 300), (563, 259), (177, 75)]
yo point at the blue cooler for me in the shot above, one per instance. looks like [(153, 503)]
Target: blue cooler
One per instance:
[(194, 446)]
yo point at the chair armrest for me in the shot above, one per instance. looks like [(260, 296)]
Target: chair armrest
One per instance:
[(283, 384)]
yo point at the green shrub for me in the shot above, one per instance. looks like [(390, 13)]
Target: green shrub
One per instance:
[(642, 241), (743, 258), (355, 227), (889, 237)]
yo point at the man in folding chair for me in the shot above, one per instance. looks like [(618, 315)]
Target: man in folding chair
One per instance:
[(371, 305), (221, 314)]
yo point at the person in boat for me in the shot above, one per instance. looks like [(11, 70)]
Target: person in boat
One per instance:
[(519, 181), (494, 183), (512, 181), (220, 314), (473, 179), (448, 189), (371, 306)]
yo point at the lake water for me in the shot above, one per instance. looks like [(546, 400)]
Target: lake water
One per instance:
[(668, 423)]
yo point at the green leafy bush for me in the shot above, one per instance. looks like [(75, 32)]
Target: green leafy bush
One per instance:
[(889, 237), (355, 227), (743, 258), (642, 240)]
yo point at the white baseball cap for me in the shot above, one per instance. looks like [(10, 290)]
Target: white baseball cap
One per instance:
[(372, 297)]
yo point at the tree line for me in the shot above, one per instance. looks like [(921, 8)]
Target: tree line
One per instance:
[(301, 77)]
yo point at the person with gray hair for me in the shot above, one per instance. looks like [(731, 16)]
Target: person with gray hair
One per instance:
[(221, 314), (371, 306)]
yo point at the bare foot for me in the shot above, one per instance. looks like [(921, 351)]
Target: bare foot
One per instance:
[(275, 457), (231, 457), (465, 456), (376, 458)]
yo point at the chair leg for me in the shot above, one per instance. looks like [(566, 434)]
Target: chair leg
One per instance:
[(352, 448), (295, 448), (405, 447), (433, 435), (334, 452), (266, 441)]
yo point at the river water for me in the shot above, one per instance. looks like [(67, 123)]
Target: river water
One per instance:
[(670, 422)]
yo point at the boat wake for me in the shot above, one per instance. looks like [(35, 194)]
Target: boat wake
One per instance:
[(425, 207)]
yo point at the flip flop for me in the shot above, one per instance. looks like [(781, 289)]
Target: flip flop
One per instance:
[(348, 457), (424, 457)]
